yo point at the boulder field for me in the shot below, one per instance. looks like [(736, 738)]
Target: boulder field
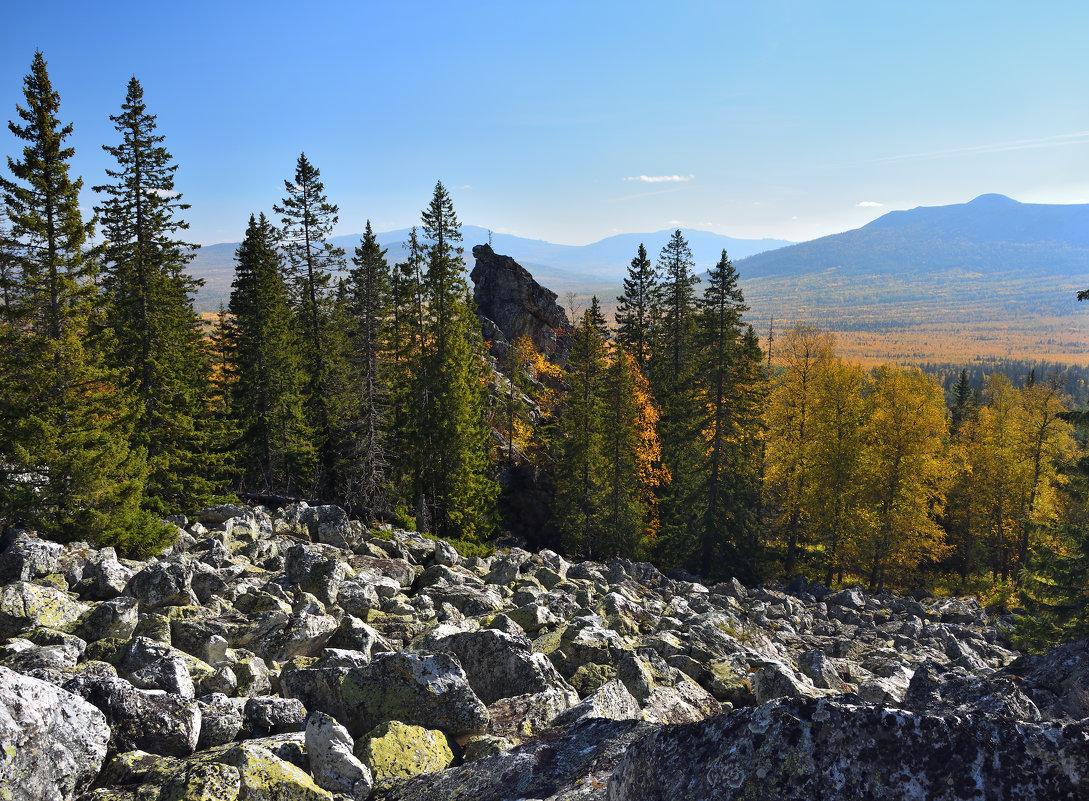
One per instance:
[(297, 655)]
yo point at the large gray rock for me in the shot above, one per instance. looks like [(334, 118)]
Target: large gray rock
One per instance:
[(29, 558), (575, 764), (817, 750), (24, 606), (220, 720), (610, 701), (145, 720), (116, 618), (428, 690), (152, 665), (52, 744), (501, 665), (163, 584), (333, 764)]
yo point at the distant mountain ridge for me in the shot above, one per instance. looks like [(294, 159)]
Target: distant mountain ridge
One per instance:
[(993, 271), (597, 267)]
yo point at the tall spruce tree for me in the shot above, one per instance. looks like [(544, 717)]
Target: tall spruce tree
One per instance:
[(308, 219), (672, 377), (452, 449), (265, 375), (731, 387), (159, 343), (365, 473), (581, 459), (66, 423), (635, 309)]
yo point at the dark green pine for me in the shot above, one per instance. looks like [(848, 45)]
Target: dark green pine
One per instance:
[(159, 340), (731, 383), (65, 419), (634, 313), (452, 447), (308, 220), (365, 473), (265, 378)]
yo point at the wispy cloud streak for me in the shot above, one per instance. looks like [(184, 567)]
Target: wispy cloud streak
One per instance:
[(1060, 140), (660, 179)]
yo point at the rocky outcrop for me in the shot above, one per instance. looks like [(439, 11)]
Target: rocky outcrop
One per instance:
[(51, 743), (516, 305), (295, 654), (811, 750)]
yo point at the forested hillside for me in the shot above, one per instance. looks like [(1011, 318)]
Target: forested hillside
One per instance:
[(670, 433)]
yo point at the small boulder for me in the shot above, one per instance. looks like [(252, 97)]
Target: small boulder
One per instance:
[(394, 750)]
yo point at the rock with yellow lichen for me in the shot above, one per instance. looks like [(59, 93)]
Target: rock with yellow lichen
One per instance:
[(396, 750)]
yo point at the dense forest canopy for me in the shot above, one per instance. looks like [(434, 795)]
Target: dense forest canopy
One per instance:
[(670, 433)]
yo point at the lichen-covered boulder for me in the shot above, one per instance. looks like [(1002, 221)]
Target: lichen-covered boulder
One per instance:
[(144, 720), (332, 762), (163, 584), (48, 658), (220, 720), (575, 764), (529, 714), (104, 577), (24, 606), (500, 665), (820, 750), (429, 690), (28, 558), (113, 618), (278, 636), (610, 701), (270, 714), (153, 665), (52, 744), (395, 750)]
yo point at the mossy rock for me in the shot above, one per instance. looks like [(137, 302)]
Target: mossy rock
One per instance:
[(110, 650), (24, 606), (139, 767), (214, 782), (589, 678), (265, 777), (154, 626), (396, 750), (486, 745), (547, 642)]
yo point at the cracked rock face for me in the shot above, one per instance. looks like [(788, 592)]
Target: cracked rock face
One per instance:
[(509, 298), (52, 743), (294, 654), (806, 750)]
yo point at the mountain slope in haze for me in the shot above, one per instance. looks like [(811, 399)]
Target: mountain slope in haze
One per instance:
[(989, 274), (992, 234), (582, 269)]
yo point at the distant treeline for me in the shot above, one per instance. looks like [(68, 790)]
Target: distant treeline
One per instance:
[(1071, 379)]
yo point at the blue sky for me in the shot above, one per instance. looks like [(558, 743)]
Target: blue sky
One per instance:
[(571, 121)]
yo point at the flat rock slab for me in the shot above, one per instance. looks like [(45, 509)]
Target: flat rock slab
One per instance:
[(829, 750)]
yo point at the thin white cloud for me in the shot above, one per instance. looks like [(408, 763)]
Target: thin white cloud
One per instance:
[(869, 204), (1077, 138), (164, 193), (660, 179), (464, 186)]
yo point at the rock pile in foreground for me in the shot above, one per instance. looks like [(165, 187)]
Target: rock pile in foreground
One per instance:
[(296, 655)]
